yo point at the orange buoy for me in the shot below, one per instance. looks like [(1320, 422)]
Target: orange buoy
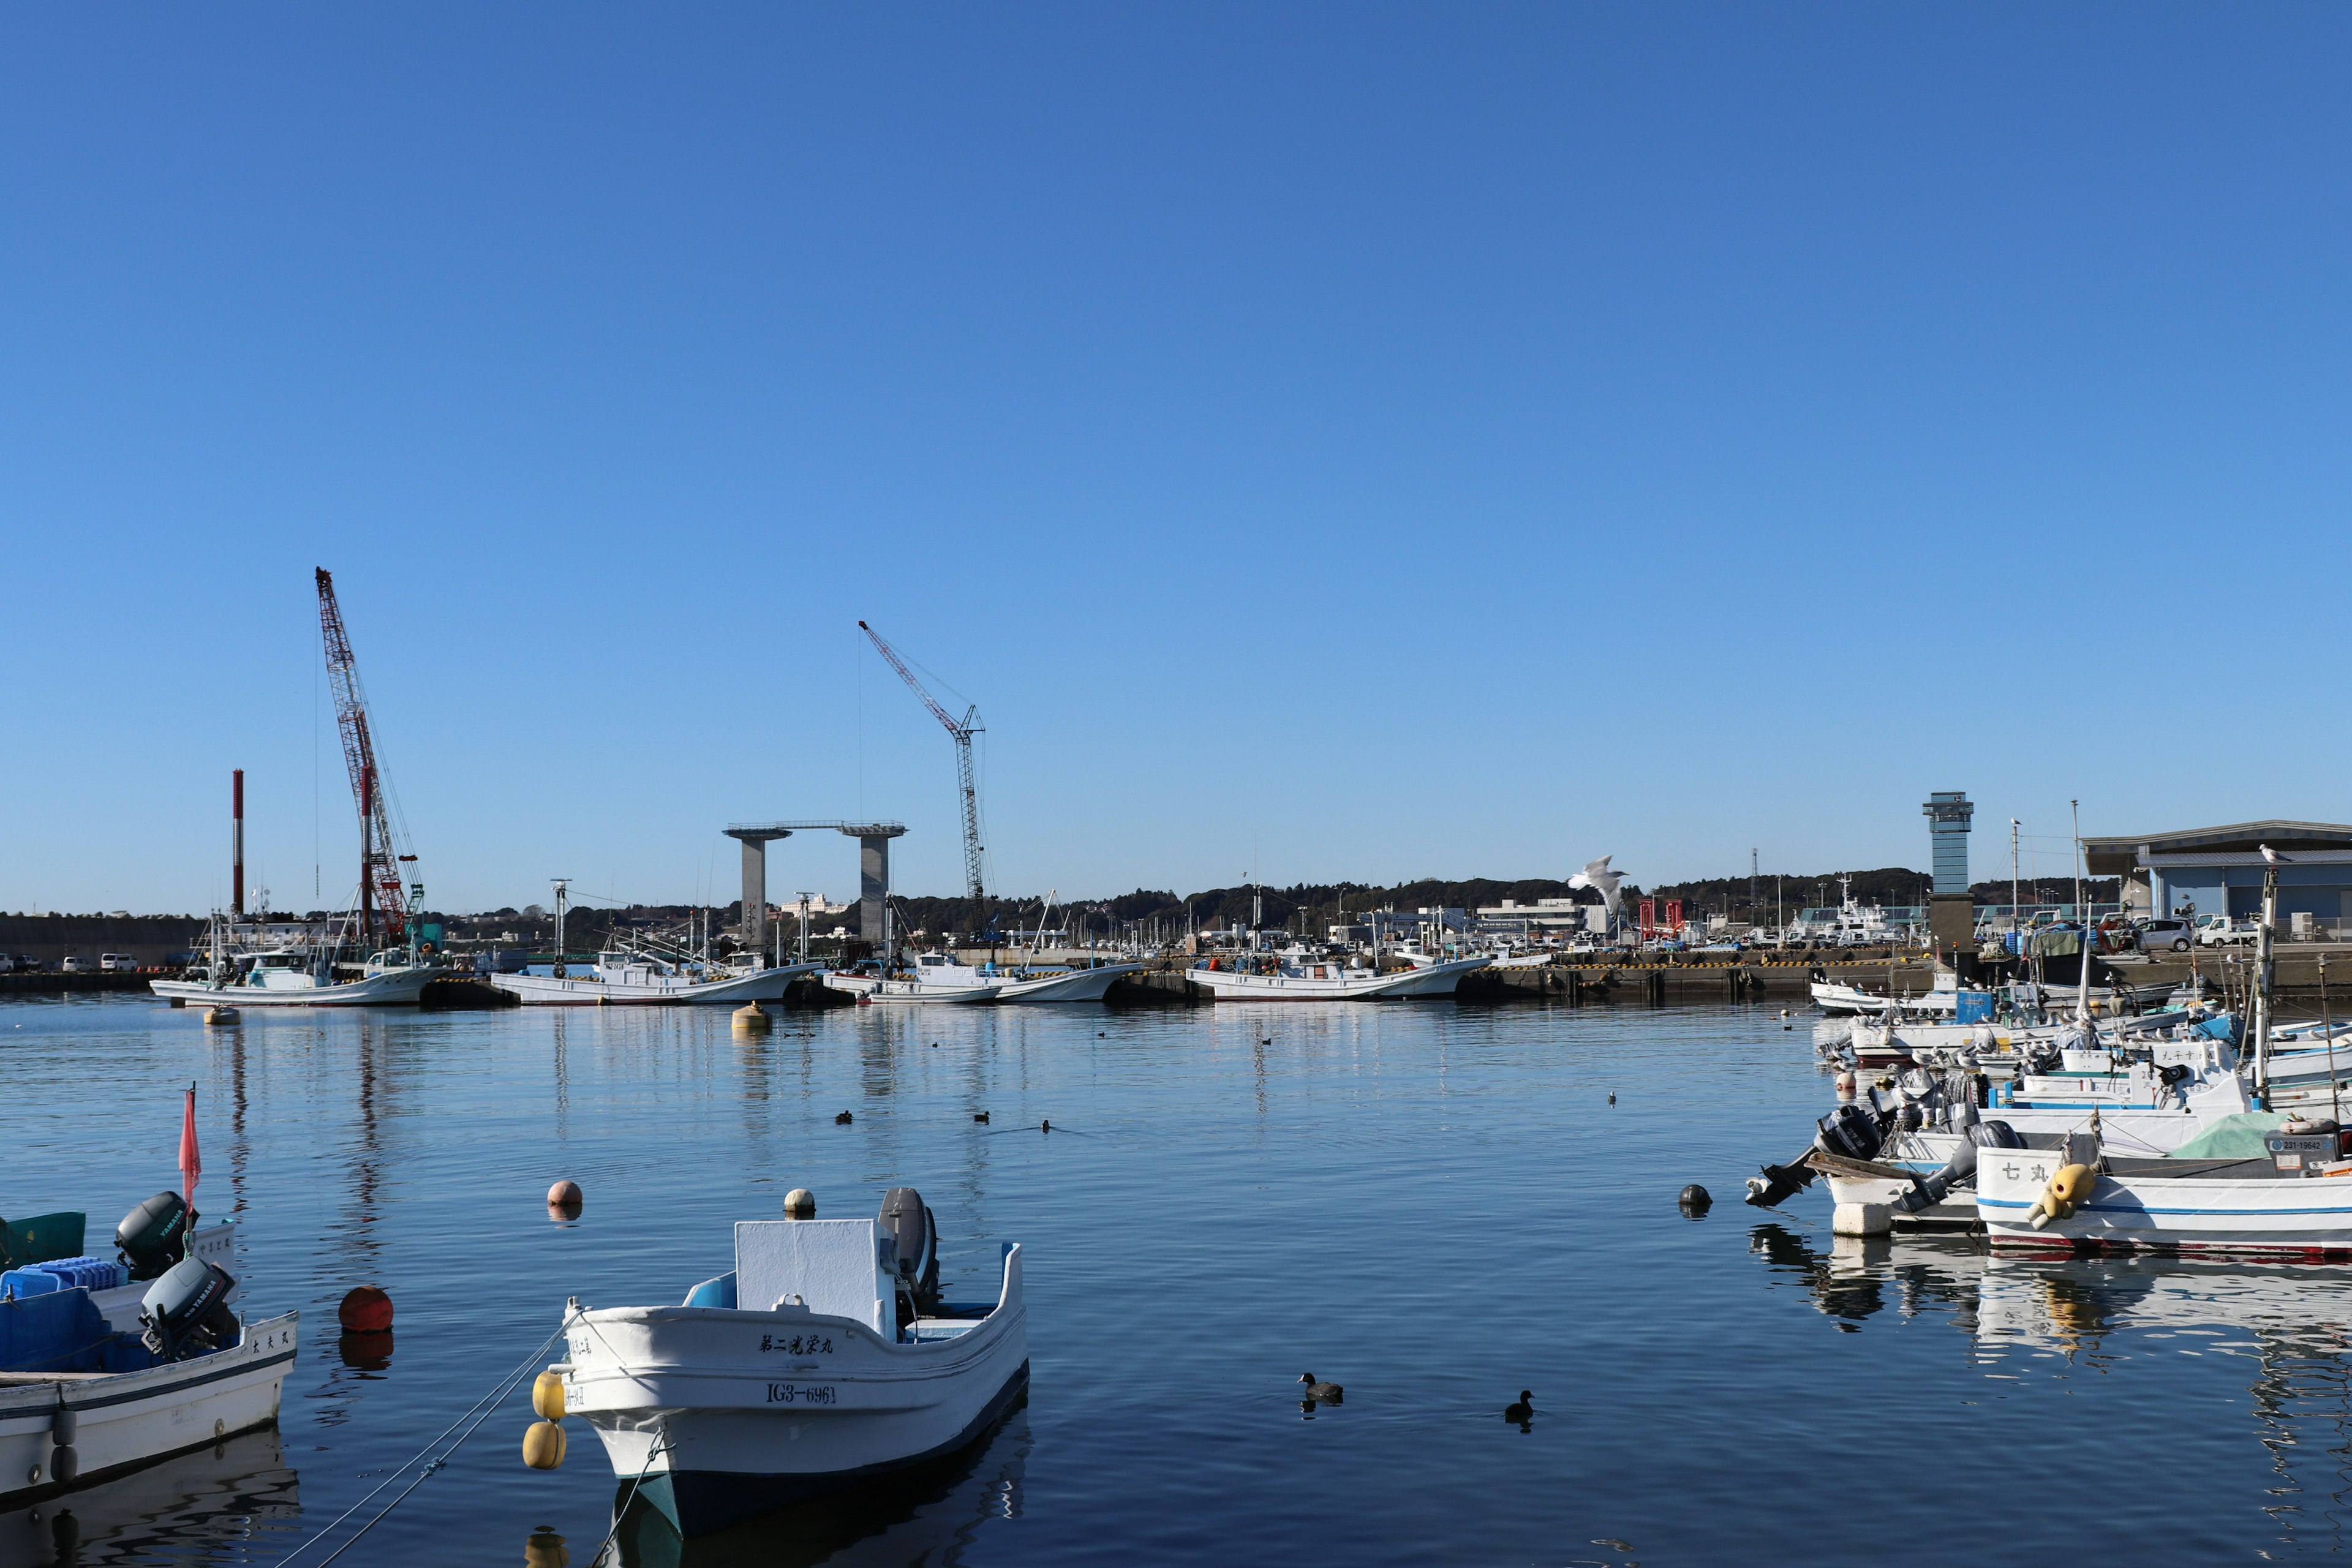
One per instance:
[(366, 1310), (563, 1195)]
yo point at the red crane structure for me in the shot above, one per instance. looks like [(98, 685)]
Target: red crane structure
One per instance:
[(381, 860), (962, 732)]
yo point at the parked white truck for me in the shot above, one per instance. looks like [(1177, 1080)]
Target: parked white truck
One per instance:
[(2220, 931)]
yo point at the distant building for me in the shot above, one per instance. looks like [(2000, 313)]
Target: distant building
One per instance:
[(1511, 917), (2219, 870)]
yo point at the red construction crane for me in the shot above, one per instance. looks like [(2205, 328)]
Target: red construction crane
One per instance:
[(381, 861), (962, 732)]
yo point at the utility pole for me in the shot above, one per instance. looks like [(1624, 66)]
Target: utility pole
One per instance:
[(2013, 826), (2076, 808)]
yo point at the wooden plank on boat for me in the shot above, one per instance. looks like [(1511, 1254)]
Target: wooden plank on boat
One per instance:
[(1829, 1164)]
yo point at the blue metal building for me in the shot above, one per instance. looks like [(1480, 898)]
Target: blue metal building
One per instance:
[(2219, 870)]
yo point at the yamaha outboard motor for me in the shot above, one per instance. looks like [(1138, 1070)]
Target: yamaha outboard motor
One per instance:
[(186, 1312), (1961, 1170), (908, 1219), (154, 1236)]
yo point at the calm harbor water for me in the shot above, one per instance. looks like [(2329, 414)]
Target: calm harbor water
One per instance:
[(1435, 1206)]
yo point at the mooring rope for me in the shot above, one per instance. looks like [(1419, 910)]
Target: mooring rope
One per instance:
[(480, 1411), (661, 1445)]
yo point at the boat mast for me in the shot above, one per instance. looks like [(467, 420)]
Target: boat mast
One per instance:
[(2263, 976)]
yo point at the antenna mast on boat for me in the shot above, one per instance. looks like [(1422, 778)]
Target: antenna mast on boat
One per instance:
[(380, 860), (962, 733)]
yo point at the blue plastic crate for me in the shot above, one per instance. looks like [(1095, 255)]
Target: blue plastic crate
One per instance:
[(84, 1273), (26, 1283)]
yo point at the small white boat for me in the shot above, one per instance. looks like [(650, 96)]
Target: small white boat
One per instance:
[(293, 978), (1329, 982), (2282, 1203), (1067, 985), (1942, 1000), (619, 978), (935, 977), (939, 978), (85, 1398), (825, 1357)]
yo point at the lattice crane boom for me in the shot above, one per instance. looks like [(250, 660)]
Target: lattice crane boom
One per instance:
[(381, 892), (962, 733)]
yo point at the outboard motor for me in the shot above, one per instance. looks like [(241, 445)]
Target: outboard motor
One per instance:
[(1962, 1169), (1849, 1130), (908, 1219), (154, 1236), (186, 1312), (1852, 1131)]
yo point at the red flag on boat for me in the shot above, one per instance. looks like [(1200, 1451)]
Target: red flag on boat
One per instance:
[(191, 1165)]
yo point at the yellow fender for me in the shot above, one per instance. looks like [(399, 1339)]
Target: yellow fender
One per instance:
[(547, 1395), (543, 1446), (2064, 1194)]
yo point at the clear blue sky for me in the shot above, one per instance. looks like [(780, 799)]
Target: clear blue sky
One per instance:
[(1361, 442)]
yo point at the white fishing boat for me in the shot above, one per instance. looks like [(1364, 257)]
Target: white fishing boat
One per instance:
[(297, 978), (1030, 984), (1286, 980), (86, 1396), (934, 977), (1942, 1000), (825, 1357), (2282, 1201), (636, 978)]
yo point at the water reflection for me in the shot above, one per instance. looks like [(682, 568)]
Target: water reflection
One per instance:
[(2128, 1316), (927, 1516), (185, 1508)]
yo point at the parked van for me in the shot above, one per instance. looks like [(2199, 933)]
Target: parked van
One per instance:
[(117, 964), (70, 965)]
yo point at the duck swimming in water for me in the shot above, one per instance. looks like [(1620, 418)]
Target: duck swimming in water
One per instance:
[(1521, 1410), (1328, 1392)]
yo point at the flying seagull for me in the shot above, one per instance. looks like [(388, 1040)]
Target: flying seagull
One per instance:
[(1598, 876)]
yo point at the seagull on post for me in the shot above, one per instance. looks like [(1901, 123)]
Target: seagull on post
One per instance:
[(2272, 856)]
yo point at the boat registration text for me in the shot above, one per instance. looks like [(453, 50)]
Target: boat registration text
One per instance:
[(802, 1394)]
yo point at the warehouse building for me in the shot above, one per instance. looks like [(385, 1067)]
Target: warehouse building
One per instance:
[(2219, 870)]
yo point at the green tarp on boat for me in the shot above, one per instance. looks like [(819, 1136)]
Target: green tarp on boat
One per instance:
[(2238, 1137)]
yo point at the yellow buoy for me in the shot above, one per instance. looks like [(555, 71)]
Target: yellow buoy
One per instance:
[(547, 1395), (749, 1016), (543, 1446)]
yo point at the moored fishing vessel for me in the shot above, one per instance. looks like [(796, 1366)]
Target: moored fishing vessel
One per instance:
[(935, 977), (626, 978), (289, 978), (825, 1357), (1287, 980)]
